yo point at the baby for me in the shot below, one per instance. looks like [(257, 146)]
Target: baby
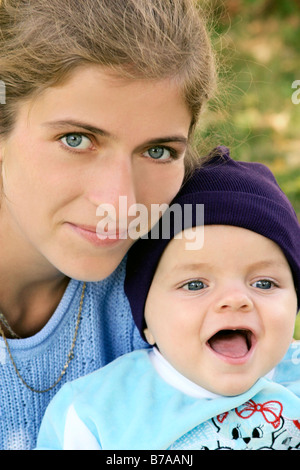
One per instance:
[(219, 317)]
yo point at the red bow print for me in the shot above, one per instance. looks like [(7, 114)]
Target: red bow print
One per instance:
[(271, 411), (221, 417), (297, 423)]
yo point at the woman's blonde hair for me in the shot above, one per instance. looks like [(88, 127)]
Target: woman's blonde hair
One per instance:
[(42, 42)]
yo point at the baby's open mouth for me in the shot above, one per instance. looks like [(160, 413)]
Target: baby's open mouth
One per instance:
[(234, 343)]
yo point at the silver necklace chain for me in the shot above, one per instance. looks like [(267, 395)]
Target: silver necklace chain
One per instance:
[(70, 355), (7, 326)]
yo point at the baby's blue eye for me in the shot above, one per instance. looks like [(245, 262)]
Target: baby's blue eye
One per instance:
[(158, 153), (263, 284), (194, 285), (77, 141)]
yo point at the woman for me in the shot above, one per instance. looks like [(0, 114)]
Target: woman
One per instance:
[(102, 98)]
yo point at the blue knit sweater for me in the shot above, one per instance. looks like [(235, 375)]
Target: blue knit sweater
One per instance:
[(106, 331)]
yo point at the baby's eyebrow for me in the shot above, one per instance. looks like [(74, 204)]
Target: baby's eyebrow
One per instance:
[(268, 263), (193, 266), (263, 264)]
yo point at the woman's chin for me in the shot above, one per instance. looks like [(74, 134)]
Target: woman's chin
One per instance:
[(91, 269)]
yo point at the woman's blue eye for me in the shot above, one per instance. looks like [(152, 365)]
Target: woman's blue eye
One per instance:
[(76, 141), (194, 285), (264, 284), (158, 153)]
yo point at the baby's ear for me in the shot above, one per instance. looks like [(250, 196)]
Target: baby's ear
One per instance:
[(149, 337)]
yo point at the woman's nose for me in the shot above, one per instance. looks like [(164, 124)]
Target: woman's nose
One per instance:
[(113, 184)]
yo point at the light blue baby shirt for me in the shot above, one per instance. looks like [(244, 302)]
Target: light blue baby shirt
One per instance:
[(128, 406)]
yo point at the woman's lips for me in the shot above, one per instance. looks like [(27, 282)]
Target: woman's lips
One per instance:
[(99, 238)]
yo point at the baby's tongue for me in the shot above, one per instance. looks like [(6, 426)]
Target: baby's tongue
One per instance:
[(229, 343)]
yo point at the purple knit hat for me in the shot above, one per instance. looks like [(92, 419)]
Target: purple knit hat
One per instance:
[(234, 193)]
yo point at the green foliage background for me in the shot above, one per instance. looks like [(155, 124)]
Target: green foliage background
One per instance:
[(258, 50)]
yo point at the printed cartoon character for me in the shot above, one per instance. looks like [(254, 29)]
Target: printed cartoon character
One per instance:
[(252, 426), (258, 426)]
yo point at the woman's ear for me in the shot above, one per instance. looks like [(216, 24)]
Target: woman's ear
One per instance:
[(149, 337)]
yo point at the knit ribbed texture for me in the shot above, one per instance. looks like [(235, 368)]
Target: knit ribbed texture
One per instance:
[(106, 331)]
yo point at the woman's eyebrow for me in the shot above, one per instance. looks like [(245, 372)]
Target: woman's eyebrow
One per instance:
[(81, 125), (95, 130), (172, 138)]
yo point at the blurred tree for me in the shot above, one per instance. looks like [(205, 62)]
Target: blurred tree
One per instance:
[(257, 42)]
